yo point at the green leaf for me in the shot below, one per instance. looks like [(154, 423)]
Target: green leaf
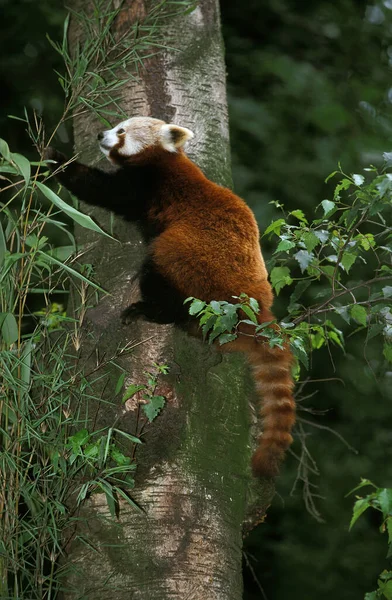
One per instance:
[(3, 247), (299, 215), (254, 305), (226, 337), (51, 259), (4, 149), (77, 440), (299, 351), (389, 529), (310, 240), (386, 588), (128, 436), (23, 166), (111, 502), (280, 276), (359, 314), (359, 508), (304, 258), (284, 246), (385, 500), (8, 328), (275, 227), (196, 306), (334, 337), (25, 360), (154, 407), (328, 207), (299, 289), (371, 596), (119, 384), (348, 260), (216, 306), (374, 330), (358, 179), (343, 185), (249, 313), (120, 458), (132, 390), (322, 235), (387, 291), (83, 220), (387, 351), (343, 311)]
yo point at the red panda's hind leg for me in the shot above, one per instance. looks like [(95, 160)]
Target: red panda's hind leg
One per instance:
[(161, 302)]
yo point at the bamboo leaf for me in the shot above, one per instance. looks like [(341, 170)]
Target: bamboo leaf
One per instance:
[(80, 218), (8, 328)]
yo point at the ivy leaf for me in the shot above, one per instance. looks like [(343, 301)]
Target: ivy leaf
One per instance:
[(304, 258), (154, 407), (348, 260), (280, 276), (359, 314), (387, 291)]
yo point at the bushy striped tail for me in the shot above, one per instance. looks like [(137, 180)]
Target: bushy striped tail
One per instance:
[(272, 373)]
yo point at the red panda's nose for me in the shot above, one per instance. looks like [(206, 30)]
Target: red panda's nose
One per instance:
[(100, 135)]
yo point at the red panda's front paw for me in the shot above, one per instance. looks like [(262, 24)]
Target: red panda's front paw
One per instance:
[(54, 155)]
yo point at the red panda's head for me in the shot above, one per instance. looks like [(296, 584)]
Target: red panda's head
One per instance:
[(140, 137)]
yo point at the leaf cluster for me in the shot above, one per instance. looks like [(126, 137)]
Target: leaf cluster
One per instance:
[(152, 403), (380, 500)]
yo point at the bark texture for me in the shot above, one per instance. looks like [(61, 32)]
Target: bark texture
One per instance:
[(193, 467)]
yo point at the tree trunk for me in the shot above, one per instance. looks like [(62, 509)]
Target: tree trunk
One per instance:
[(193, 469)]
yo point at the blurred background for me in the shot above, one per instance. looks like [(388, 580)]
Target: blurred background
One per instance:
[(309, 86)]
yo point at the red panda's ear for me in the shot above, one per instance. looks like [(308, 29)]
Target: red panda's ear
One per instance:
[(174, 136)]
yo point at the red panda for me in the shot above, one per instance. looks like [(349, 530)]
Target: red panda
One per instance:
[(202, 242)]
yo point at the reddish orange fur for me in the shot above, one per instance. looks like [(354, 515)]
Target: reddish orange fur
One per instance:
[(217, 237)]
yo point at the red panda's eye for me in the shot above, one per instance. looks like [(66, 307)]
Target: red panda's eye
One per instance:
[(120, 131)]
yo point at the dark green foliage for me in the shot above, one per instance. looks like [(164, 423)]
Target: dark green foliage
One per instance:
[(309, 86), (380, 500)]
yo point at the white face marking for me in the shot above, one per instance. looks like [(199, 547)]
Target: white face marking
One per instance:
[(133, 135)]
